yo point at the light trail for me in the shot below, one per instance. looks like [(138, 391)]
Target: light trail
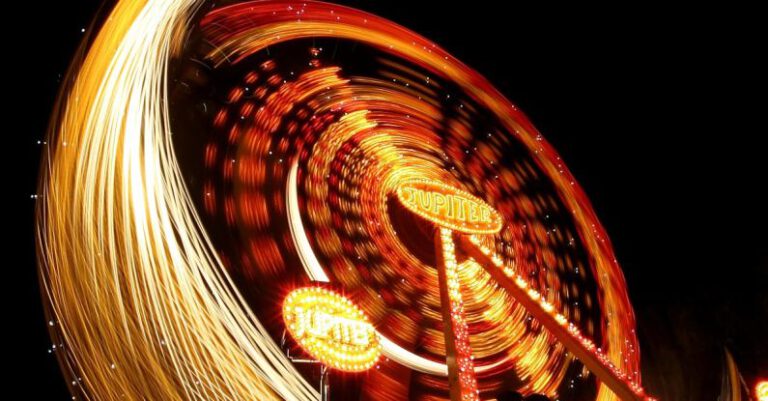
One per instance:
[(139, 302)]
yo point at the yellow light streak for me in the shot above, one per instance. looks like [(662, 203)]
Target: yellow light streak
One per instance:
[(137, 297)]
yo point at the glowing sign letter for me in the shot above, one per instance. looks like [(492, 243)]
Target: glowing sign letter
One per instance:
[(449, 207), (331, 329)]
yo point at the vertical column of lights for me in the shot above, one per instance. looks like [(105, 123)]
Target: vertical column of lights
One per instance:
[(569, 334), (461, 374)]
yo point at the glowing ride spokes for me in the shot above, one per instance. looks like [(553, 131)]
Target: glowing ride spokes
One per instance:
[(544, 312), (453, 209)]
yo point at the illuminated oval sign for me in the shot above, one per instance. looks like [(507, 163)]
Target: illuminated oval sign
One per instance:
[(331, 329), (761, 390), (449, 207)]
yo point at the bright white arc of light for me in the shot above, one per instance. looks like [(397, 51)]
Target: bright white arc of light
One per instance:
[(308, 259)]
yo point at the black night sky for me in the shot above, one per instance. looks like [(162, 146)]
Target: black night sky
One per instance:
[(658, 112)]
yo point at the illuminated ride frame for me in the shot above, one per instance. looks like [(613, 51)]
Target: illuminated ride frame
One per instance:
[(459, 218), (310, 130)]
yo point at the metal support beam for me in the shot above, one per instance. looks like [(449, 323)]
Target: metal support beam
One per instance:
[(607, 375), (461, 373)]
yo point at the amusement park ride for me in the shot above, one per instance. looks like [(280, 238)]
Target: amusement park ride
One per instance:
[(330, 328), (236, 191)]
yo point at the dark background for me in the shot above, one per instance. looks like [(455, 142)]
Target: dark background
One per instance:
[(659, 113)]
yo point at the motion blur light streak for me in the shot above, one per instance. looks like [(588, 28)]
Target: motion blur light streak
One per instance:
[(137, 295), (303, 247), (166, 257)]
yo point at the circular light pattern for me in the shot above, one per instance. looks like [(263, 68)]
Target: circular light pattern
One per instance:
[(349, 106), (290, 127), (357, 105), (331, 329), (449, 207)]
